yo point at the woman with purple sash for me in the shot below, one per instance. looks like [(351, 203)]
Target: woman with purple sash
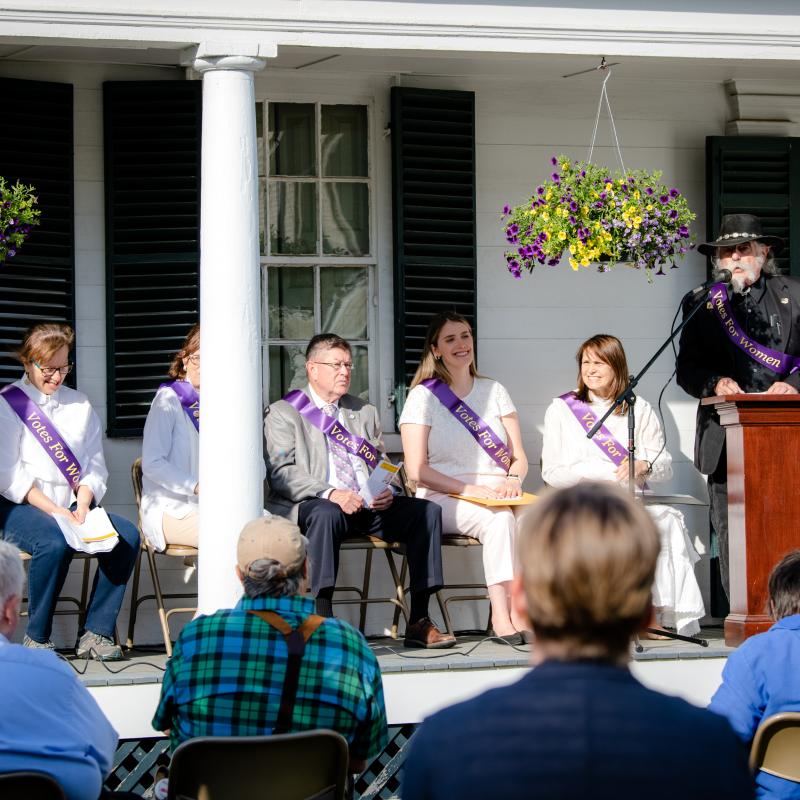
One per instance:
[(170, 452), (569, 457), (461, 435), (52, 464)]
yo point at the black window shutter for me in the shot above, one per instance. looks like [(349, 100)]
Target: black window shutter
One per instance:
[(757, 175), (36, 147), (433, 186), (152, 181)]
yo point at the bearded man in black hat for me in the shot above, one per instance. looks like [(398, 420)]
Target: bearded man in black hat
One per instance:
[(712, 359)]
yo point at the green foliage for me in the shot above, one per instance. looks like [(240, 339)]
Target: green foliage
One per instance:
[(18, 215)]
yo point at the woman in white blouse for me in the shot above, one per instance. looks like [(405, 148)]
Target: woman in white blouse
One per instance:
[(444, 458), (35, 489), (569, 457), (170, 453)]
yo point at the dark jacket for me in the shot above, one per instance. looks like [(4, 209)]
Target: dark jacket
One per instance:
[(707, 354)]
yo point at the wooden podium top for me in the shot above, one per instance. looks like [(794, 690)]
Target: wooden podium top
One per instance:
[(751, 397), (757, 407)]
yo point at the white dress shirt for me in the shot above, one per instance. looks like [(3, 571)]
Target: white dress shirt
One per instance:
[(24, 463), (170, 465)]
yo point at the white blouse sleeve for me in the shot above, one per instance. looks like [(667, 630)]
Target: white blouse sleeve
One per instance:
[(504, 402), (15, 480), (650, 441), (95, 473), (418, 408), (163, 422), (562, 464)]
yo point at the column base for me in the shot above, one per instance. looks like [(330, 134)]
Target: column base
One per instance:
[(739, 627)]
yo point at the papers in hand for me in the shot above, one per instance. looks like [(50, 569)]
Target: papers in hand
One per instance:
[(525, 499), (379, 480), (96, 535)]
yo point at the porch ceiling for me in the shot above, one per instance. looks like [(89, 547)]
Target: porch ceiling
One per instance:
[(540, 67)]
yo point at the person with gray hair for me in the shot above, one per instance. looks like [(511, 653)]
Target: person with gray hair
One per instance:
[(50, 723), (271, 665), (740, 343)]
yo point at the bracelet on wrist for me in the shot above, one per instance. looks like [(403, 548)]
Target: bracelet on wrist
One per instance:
[(511, 477)]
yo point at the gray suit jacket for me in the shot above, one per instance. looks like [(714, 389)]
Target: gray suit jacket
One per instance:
[(297, 452)]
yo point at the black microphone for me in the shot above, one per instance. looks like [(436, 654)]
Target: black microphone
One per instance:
[(718, 276)]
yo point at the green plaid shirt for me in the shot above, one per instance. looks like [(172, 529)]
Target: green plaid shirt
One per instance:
[(226, 673)]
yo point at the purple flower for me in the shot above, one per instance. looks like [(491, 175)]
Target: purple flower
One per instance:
[(683, 230), (663, 199), (12, 252), (512, 229), (554, 161), (540, 190), (583, 173), (573, 206), (602, 195), (556, 177), (572, 220), (553, 262), (598, 204), (674, 192), (543, 236), (673, 214), (648, 191), (506, 209)]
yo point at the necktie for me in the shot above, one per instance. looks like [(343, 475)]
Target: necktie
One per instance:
[(345, 473)]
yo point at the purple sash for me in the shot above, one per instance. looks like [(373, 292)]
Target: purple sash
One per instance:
[(480, 431), (46, 433), (333, 429), (190, 399), (603, 438), (782, 363)]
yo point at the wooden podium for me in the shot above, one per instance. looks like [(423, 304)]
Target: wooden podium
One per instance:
[(762, 433)]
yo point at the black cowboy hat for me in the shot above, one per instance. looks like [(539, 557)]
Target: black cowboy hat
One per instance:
[(738, 228)]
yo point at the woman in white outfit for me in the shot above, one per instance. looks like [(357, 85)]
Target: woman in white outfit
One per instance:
[(170, 453), (444, 458), (569, 457)]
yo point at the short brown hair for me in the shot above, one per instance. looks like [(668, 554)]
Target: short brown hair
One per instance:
[(41, 341), (608, 349), (784, 586), (326, 341), (191, 344), (588, 558), (429, 365)]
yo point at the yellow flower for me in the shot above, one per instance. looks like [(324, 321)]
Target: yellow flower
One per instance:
[(549, 194), (585, 262), (574, 264), (562, 235), (585, 210), (637, 221), (609, 186), (637, 195), (571, 249), (545, 216), (621, 181), (649, 206), (565, 166)]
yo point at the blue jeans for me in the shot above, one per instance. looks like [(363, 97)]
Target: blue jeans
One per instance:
[(38, 534)]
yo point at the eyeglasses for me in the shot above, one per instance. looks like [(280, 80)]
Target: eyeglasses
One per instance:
[(336, 365), (48, 372), (194, 359), (743, 249)]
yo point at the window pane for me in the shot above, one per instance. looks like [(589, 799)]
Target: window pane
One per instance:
[(345, 219), (292, 139), (260, 139), (292, 219), (359, 383), (343, 301), (344, 141), (291, 302), (287, 370)]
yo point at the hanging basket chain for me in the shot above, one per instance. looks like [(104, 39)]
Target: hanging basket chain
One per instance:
[(604, 96)]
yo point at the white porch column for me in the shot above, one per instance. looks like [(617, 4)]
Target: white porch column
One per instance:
[(231, 460)]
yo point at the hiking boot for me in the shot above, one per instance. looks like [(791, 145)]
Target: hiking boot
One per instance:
[(97, 647)]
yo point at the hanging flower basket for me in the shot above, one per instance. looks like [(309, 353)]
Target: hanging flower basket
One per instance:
[(591, 216), (18, 215)]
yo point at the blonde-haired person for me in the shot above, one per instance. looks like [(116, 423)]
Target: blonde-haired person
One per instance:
[(569, 457), (444, 457), (36, 413), (170, 452), (578, 724)]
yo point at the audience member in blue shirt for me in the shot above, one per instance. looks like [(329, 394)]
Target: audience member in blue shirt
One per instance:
[(762, 677), (579, 725), (49, 722)]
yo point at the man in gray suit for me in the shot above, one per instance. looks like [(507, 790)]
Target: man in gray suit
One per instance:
[(317, 481)]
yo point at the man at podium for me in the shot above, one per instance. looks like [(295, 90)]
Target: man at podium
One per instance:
[(745, 339)]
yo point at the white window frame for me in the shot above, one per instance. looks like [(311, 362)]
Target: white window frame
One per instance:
[(369, 261)]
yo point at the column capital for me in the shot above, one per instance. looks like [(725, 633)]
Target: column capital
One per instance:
[(239, 56)]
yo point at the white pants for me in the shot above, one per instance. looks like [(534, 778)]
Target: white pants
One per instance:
[(493, 527)]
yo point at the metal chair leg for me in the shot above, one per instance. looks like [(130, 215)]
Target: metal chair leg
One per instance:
[(162, 614), (134, 597), (362, 608), (400, 593), (84, 595)]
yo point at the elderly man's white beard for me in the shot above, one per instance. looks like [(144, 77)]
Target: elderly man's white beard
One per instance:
[(741, 282)]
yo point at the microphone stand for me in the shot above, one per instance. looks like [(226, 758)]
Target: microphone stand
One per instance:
[(628, 396)]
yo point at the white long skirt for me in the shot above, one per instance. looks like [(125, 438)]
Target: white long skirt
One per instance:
[(676, 591)]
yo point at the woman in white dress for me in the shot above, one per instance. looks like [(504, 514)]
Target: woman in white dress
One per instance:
[(170, 453), (445, 456), (569, 457)]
